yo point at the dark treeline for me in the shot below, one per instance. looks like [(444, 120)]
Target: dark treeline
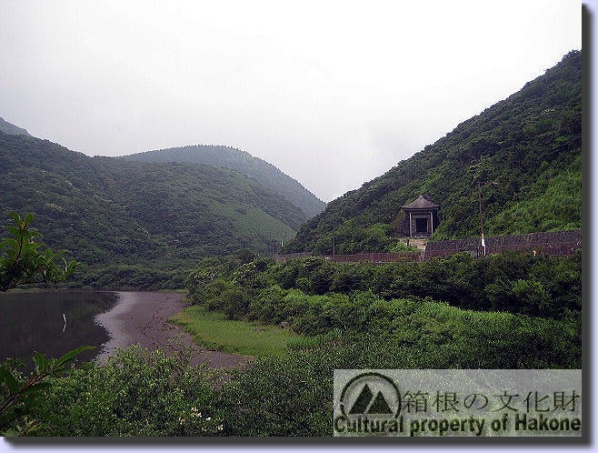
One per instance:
[(519, 283)]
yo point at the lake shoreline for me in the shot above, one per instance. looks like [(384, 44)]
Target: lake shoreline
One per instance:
[(142, 318)]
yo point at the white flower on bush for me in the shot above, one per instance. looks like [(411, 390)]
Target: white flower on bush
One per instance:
[(194, 415)]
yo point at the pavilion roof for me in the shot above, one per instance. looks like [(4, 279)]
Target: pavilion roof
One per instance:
[(422, 202)]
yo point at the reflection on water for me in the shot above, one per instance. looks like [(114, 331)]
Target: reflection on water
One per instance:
[(32, 322)]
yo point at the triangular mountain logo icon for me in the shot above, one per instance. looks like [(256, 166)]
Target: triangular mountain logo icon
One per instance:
[(377, 405), (362, 402)]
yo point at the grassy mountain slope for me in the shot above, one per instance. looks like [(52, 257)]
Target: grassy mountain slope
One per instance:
[(244, 163), (530, 144), (109, 211)]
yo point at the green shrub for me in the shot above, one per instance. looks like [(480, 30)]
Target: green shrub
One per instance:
[(136, 393), (234, 303)]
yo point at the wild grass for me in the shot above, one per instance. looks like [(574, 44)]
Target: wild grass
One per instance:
[(212, 330)]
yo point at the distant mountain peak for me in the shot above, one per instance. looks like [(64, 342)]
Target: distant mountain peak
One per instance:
[(242, 162), (11, 129)]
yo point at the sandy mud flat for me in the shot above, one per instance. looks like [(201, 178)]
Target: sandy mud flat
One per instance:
[(142, 318)]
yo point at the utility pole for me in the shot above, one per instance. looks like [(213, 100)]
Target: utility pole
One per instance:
[(334, 245), (480, 184)]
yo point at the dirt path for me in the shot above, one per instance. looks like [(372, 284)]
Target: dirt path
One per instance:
[(141, 318)]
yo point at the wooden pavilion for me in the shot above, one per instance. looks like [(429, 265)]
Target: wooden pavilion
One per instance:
[(420, 218)]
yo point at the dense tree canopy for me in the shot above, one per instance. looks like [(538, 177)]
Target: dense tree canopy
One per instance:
[(244, 163)]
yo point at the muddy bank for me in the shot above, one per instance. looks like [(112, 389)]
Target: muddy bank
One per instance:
[(142, 318)]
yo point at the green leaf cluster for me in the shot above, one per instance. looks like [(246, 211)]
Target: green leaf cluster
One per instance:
[(19, 395), (22, 261)]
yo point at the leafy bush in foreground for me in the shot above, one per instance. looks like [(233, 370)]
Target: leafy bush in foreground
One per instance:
[(136, 393)]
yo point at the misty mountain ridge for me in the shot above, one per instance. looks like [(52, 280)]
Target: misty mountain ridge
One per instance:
[(223, 157), (242, 162), (11, 129), (109, 212)]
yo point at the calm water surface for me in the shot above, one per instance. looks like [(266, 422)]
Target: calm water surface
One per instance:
[(32, 322)]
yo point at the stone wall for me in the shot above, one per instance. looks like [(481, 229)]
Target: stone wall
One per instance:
[(375, 257), (557, 243)]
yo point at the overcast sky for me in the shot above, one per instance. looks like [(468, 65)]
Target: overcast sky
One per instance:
[(334, 93)]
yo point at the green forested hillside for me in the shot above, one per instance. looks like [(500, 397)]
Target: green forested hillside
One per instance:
[(111, 212), (530, 144), (244, 163)]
